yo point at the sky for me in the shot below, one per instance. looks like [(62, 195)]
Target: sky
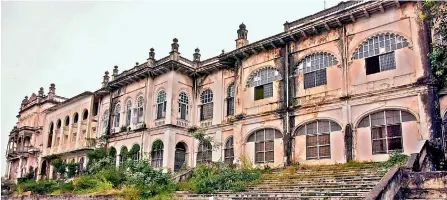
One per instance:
[(72, 43)]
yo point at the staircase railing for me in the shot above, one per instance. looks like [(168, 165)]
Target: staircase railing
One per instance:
[(390, 184), (183, 175)]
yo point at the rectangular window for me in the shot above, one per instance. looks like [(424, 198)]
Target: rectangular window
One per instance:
[(264, 91), (318, 146), (183, 111), (230, 106), (264, 151), (380, 63), (206, 111), (315, 78), (386, 138)]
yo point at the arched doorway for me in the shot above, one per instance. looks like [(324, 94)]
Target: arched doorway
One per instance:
[(44, 170), (180, 156)]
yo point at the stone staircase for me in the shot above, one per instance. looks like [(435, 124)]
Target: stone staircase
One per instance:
[(425, 185), (316, 182)]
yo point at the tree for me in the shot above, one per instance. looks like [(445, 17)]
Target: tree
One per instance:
[(435, 14)]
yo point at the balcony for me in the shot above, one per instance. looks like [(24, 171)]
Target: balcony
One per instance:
[(206, 123), (160, 122), (182, 123)]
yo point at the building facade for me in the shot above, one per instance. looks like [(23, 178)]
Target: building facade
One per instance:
[(347, 83)]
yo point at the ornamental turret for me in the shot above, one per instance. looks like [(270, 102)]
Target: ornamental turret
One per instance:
[(115, 72), (242, 39), (151, 59), (106, 78), (196, 55), (174, 50)]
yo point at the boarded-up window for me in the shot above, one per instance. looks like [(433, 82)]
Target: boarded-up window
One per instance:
[(386, 129), (206, 109), (264, 144)]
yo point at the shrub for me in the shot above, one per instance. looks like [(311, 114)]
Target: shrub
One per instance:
[(130, 193), (114, 176), (91, 185), (39, 187), (221, 177), (148, 181)]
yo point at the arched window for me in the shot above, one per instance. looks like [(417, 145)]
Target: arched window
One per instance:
[(112, 154), (81, 165), (128, 111), (314, 68), (123, 155), (378, 52), (264, 144), (105, 119), (161, 104), (50, 135), (85, 114), (117, 115), (206, 109), (157, 154), (140, 109), (67, 120), (183, 106), (180, 156), (262, 81), (230, 100), (229, 151), (135, 152), (76, 118), (58, 124), (318, 140), (205, 152), (386, 129)]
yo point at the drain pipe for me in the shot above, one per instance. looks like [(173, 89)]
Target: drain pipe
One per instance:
[(286, 65)]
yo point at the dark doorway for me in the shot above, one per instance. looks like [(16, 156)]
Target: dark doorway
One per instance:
[(180, 156), (348, 142)]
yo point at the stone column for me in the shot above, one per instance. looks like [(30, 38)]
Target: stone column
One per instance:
[(217, 152), (19, 174), (78, 131), (167, 150)]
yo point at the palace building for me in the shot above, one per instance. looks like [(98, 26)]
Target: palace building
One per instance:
[(351, 82)]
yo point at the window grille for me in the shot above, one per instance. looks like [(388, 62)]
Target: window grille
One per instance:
[(318, 145), (157, 154), (161, 104), (183, 105), (204, 153), (314, 68), (128, 112), (140, 109), (229, 151), (262, 81), (123, 155), (382, 43), (386, 129), (207, 105), (117, 115), (264, 144), (230, 100)]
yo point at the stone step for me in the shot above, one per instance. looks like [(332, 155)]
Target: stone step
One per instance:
[(293, 187), (310, 176), (320, 180)]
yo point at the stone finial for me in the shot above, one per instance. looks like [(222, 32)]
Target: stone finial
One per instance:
[(151, 59), (223, 52), (136, 64), (241, 36), (115, 71), (174, 45), (41, 92), (106, 78), (196, 55), (25, 100), (52, 89), (152, 54)]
